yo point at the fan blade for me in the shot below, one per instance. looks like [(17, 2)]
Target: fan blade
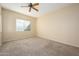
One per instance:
[(35, 9), (30, 9), (24, 6), (35, 4)]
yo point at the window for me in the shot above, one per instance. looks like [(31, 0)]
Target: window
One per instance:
[(23, 25)]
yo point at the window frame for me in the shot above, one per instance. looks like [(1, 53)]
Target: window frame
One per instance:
[(24, 20)]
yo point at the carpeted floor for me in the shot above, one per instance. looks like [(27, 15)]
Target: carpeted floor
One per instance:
[(37, 47)]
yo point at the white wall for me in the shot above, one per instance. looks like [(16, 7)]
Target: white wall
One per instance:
[(9, 26), (61, 25), (0, 26)]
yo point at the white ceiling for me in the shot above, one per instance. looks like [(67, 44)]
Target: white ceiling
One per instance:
[(43, 8), (17, 7), (47, 7)]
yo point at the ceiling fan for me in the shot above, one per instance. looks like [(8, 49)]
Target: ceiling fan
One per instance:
[(32, 6)]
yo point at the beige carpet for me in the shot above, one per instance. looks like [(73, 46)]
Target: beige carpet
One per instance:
[(37, 47)]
